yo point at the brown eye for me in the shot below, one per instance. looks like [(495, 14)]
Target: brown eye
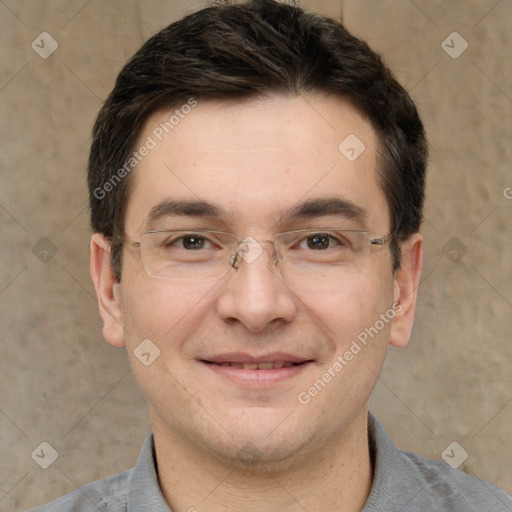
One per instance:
[(320, 241), (193, 242)]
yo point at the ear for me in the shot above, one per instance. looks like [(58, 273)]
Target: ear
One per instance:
[(107, 290), (407, 280)]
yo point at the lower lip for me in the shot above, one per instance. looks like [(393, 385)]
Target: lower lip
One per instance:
[(256, 378)]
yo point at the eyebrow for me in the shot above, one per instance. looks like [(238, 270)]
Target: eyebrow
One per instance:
[(323, 207), (312, 208), (189, 208)]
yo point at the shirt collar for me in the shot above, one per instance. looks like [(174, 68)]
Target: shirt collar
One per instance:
[(145, 495), (395, 484)]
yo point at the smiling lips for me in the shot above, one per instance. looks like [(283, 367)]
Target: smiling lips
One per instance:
[(242, 361), (256, 372), (269, 365)]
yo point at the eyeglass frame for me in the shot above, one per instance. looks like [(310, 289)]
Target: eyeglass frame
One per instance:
[(235, 259)]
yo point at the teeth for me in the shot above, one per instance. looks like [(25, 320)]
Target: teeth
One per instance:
[(268, 365), (265, 366)]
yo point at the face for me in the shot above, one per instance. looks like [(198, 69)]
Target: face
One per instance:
[(260, 165)]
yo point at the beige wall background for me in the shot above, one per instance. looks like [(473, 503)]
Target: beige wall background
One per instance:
[(63, 385)]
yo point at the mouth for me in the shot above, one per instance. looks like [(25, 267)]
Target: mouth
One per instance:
[(256, 372), (266, 365)]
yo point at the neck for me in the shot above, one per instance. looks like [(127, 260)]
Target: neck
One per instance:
[(337, 476)]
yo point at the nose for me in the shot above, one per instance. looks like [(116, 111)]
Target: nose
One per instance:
[(254, 293)]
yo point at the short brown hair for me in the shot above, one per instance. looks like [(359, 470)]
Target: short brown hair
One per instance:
[(248, 50)]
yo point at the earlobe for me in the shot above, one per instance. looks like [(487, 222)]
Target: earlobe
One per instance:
[(406, 290), (107, 291)]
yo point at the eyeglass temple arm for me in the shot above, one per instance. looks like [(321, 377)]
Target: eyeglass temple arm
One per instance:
[(381, 241)]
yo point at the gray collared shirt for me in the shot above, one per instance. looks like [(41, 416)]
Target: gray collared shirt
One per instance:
[(403, 482)]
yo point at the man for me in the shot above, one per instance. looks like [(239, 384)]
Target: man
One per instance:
[(256, 186)]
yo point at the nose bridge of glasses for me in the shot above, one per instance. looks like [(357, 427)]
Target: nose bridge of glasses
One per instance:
[(249, 250)]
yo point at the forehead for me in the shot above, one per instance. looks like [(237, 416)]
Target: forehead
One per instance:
[(257, 159)]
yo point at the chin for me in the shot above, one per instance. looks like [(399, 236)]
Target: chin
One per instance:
[(264, 446)]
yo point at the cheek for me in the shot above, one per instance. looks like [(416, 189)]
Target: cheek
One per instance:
[(351, 305), (162, 311), (160, 317)]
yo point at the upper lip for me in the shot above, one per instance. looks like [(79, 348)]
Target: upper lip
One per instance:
[(240, 357)]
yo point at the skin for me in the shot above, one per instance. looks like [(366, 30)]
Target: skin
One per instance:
[(255, 159)]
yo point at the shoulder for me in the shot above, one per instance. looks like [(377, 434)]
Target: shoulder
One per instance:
[(107, 495), (452, 490), (409, 482)]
